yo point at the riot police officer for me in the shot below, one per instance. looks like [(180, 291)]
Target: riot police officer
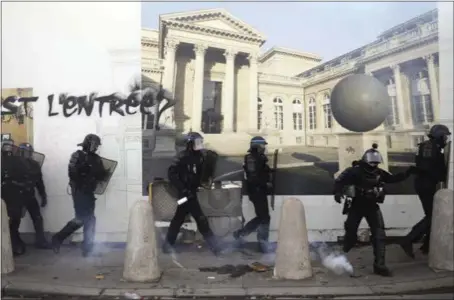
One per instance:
[(85, 171), (185, 176), (431, 170), (31, 203), (257, 176), (13, 178), (368, 180)]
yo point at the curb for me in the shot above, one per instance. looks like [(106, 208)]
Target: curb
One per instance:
[(36, 288)]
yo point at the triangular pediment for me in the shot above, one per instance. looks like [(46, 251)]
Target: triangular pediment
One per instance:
[(215, 19)]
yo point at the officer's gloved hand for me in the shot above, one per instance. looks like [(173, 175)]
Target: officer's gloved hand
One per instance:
[(411, 170), (44, 201), (338, 198), (188, 194)]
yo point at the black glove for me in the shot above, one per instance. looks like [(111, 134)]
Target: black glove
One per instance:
[(188, 194), (411, 170), (43, 201), (338, 198)]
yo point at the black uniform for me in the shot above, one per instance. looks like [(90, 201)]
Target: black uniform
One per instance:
[(30, 201), (85, 170), (185, 175), (431, 170), (368, 180), (258, 182), (14, 179)]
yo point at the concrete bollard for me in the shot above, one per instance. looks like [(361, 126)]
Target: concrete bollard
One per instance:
[(7, 250), (292, 254), (441, 254), (141, 258)]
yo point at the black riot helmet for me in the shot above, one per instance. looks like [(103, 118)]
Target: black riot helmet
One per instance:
[(258, 144), (440, 134), (372, 157), (26, 150), (91, 143), (7, 147), (194, 141)]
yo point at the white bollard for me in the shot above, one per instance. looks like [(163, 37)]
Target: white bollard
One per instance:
[(441, 253), (7, 250), (292, 254), (141, 258)]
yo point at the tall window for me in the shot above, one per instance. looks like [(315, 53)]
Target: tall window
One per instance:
[(278, 107), (312, 109), (421, 99), (328, 118), (393, 117), (259, 113), (297, 115)]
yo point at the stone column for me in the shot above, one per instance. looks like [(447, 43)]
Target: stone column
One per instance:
[(168, 80), (228, 101), (197, 96), (433, 82), (253, 91), (399, 95)]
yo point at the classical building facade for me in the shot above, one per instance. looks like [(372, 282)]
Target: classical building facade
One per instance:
[(229, 90)]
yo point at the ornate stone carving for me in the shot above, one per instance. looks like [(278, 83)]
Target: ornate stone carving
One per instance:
[(171, 45), (395, 68), (430, 59), (230, 54), (200, 49), (252, 57)]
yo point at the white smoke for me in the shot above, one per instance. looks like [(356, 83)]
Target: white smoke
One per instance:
[(330, 259)]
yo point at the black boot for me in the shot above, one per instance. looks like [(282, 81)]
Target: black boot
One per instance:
[(40, 239), (380, 263), (17, 245), (60, 236)]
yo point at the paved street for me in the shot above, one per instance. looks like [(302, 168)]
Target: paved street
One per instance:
[(43, 273)]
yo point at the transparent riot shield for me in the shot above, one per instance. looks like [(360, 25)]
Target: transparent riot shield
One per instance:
[(209, 167), (38, 157), (110, 166)]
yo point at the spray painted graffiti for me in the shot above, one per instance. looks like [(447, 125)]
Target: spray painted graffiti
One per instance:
[(138, 100)]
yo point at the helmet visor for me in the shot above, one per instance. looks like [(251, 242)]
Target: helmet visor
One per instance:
[(373, 158), (198, 144)]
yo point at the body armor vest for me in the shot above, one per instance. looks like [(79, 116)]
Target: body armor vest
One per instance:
[(427, 152), (370, 185), (254, 167)]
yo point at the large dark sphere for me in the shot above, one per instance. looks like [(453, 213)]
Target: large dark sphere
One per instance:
[(360, 103)]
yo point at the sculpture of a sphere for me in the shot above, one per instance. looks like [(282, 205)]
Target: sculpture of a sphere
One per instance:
[(360, 103)]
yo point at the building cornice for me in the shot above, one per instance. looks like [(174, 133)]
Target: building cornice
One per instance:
[(205, 30), (214, 14), (279, 80), (289, 52), (347, 68)]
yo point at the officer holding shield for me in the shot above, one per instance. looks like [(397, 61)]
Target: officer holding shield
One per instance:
[(85, 171), (431, 170), (31, 203), (185, 175)]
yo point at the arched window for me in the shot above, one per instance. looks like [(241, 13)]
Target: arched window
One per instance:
[(312, 108), (278, 107), (422, 109), (393, 117), (259, 113), (297, 115), (327, 112)]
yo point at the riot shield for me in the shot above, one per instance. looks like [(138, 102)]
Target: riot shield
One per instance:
[(110, 166), (163, 198), (209, 168), (447, 153), (38, 157)]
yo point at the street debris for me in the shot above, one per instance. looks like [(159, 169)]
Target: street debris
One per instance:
[(134, 296), (238, 270), (99, 276)]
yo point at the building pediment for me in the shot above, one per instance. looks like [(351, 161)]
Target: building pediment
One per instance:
[(217, 22)]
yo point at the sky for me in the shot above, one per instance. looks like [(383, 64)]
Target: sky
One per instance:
[(328, 29)]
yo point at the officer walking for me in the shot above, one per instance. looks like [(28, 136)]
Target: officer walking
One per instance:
[(13, 178), (31, 203), (257, 175), (368, 180), (431, 170), (85, 171), (185, 175)]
